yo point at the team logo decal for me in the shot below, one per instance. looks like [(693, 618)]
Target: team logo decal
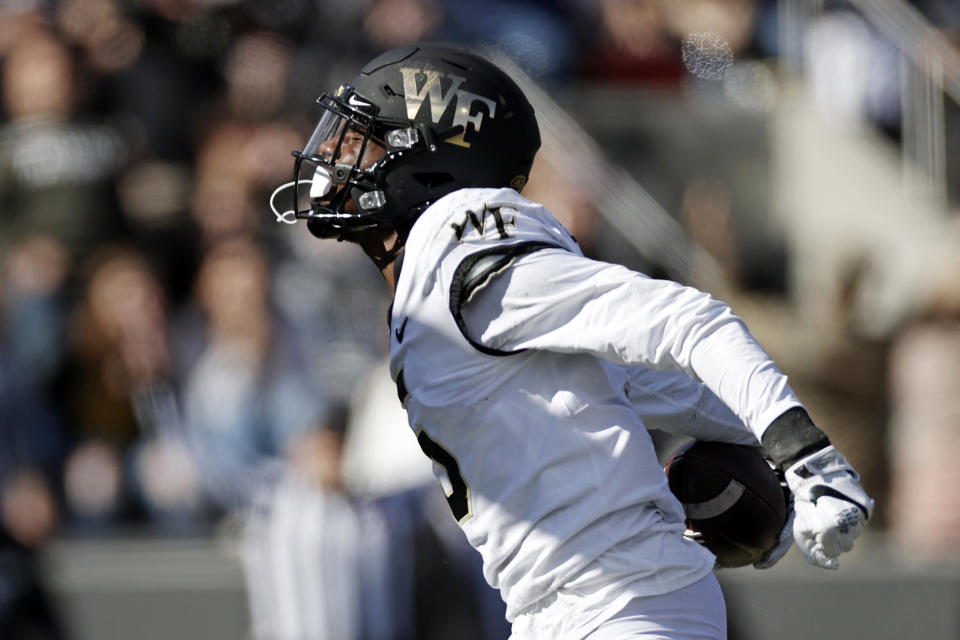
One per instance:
[(418, 84), (479, 222)]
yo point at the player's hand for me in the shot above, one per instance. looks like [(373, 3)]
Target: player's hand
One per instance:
[(784, 542), (831, 506)]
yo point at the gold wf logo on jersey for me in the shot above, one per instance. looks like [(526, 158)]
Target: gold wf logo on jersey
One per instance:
[(420, 84), (479, 222)]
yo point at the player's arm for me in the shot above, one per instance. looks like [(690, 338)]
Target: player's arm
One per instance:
[(560, 301), (556, 300), (672, 401)]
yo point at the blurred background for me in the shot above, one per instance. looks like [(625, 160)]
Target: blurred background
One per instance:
[(198, 436)]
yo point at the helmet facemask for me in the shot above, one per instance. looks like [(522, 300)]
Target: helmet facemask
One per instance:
[(342, 162)]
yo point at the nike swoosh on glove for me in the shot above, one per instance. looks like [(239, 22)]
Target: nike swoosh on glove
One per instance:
[(831, 507)]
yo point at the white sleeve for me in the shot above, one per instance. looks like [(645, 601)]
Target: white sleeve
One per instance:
[(556, 300), (672, 401)]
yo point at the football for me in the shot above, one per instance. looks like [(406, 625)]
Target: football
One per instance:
[(731, 497)]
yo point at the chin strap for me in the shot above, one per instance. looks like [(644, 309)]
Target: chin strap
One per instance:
[(289, 216)]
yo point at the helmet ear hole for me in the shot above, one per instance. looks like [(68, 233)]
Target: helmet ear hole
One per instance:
[(433, 179)]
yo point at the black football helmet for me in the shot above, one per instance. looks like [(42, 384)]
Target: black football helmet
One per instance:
[(447, 118)]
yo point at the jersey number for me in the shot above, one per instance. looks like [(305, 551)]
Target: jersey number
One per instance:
[(458, 493)]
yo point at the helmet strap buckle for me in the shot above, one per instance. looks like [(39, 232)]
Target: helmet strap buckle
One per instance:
[(402, 139), (371, 201)]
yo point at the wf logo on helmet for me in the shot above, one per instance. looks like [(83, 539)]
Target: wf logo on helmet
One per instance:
[(463, 113)]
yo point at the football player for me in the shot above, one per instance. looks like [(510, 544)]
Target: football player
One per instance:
[(529, 372)]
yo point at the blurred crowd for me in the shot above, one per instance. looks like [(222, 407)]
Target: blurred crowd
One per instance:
[(169, 355), (152, 310)]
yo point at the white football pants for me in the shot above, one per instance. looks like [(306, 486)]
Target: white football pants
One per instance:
[(696, 612)]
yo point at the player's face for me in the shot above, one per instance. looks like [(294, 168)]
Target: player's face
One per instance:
[(346, 149), (351, 148)]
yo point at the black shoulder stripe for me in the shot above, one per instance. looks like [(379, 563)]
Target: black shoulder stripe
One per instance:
[(466, 282)]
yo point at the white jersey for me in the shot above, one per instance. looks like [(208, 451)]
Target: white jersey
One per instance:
[(525, 369)]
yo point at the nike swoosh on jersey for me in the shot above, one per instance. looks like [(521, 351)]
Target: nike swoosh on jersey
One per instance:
[(401, 330)]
